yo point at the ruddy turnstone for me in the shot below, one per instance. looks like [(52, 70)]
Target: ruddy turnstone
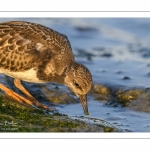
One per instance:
[(35, 53)]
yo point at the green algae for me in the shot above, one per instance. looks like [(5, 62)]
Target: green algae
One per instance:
[(100, 92), (125, 97), (108, 129), (101, 89), (15, 117)]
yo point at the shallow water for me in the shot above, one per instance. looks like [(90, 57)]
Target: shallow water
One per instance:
[(127, 120), (112, 49)]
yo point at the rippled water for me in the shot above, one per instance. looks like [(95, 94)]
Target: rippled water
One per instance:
[(123, 118), (112, 48)]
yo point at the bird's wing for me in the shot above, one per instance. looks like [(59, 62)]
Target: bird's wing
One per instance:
[(22, 44), (19, 46)]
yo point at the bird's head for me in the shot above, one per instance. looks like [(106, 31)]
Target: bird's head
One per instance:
[(78, 78)]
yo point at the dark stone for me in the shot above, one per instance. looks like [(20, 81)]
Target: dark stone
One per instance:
[(85, 29), (126, 78), (107, 55)]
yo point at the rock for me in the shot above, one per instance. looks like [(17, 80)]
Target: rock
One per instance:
[(16, 117), (126, 96), (119, 72), (58, 96), (101, 89), (62, 98), (108, 129), (143, 102), (106, 55), (85, 29), (100, 92), (126, 78)]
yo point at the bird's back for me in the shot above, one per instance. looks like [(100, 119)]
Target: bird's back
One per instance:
[(25, 45)]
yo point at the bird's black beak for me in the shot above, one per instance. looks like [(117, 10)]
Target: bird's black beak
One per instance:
[(83, 99)]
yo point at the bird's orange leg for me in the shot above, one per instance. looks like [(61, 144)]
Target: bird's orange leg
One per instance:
[(14, 95), (30, 101), (30, 97)]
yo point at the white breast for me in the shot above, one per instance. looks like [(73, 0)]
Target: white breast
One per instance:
[(29, 75)]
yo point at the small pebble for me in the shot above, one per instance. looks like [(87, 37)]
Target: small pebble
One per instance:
[(119, 72), (126, 78)]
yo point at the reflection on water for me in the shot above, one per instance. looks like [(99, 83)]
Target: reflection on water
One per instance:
[(117, 52), (120, 117)]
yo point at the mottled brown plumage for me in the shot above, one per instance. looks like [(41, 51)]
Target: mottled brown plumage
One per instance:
[(23, 44), (35, 53)]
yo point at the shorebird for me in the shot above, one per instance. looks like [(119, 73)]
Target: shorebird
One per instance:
[(35, 53)]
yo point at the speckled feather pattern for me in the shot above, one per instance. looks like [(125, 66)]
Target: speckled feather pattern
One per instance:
[(23, 45)]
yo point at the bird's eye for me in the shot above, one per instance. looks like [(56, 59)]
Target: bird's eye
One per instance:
[(76, 84)]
